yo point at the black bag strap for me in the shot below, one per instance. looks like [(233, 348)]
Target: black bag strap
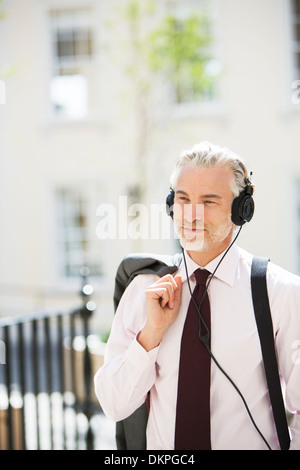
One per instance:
[(266, 335)]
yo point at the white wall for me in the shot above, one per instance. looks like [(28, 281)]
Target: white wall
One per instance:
[(254, 117)]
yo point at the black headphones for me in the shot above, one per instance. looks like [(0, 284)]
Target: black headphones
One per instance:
[(242, 208)]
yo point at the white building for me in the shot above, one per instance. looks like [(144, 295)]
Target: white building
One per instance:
[(71, 127)]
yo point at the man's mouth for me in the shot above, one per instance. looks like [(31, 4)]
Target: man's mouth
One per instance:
[(193, 230)]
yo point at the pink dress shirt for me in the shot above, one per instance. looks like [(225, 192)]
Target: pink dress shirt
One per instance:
[(129, 371)]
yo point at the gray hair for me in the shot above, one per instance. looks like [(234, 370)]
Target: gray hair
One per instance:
[(208, 155)]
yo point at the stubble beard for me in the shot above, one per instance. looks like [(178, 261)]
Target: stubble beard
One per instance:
[(206, 239)]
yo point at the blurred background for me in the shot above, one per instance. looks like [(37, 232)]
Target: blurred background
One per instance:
[(97, 101)]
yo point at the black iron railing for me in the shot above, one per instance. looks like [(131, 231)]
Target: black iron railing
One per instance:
[(46, 390)]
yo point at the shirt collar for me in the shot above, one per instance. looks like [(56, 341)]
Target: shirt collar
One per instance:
[(226, 272)]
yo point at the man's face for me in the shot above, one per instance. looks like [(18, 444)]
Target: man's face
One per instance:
[(202, 207)]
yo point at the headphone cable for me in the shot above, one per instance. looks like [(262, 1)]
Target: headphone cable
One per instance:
[(205, 338)]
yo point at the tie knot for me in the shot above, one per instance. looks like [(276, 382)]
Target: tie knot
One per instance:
[(201, 276)]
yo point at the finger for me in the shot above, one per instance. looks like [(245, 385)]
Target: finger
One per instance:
[(160, 294), (171, 283), (171, 287), (166, 285), (167, 278), (175, 283), (177, 291), (178, 281)]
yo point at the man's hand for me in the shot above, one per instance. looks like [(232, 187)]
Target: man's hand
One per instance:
[(163, 299)]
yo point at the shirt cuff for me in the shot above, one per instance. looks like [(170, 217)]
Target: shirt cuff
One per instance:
[(139, 357)]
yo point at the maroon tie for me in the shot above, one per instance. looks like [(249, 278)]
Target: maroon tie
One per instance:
[(192, 430)]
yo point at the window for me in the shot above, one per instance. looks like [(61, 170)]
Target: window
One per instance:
[(78, 245), (296, 38), (72, 48)]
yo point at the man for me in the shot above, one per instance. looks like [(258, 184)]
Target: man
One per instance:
[(145, 350)]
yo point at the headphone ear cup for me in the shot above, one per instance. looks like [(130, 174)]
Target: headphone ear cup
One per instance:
[(170, 203), (242, 209)]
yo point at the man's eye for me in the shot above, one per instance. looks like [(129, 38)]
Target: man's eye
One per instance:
[(209, 202)]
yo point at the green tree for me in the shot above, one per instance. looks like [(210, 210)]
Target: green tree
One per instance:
[(153, 46), (6, 70), (180, 49), (2, 13)]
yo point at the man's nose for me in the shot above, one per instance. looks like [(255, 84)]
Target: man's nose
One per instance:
[(193, 212)]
